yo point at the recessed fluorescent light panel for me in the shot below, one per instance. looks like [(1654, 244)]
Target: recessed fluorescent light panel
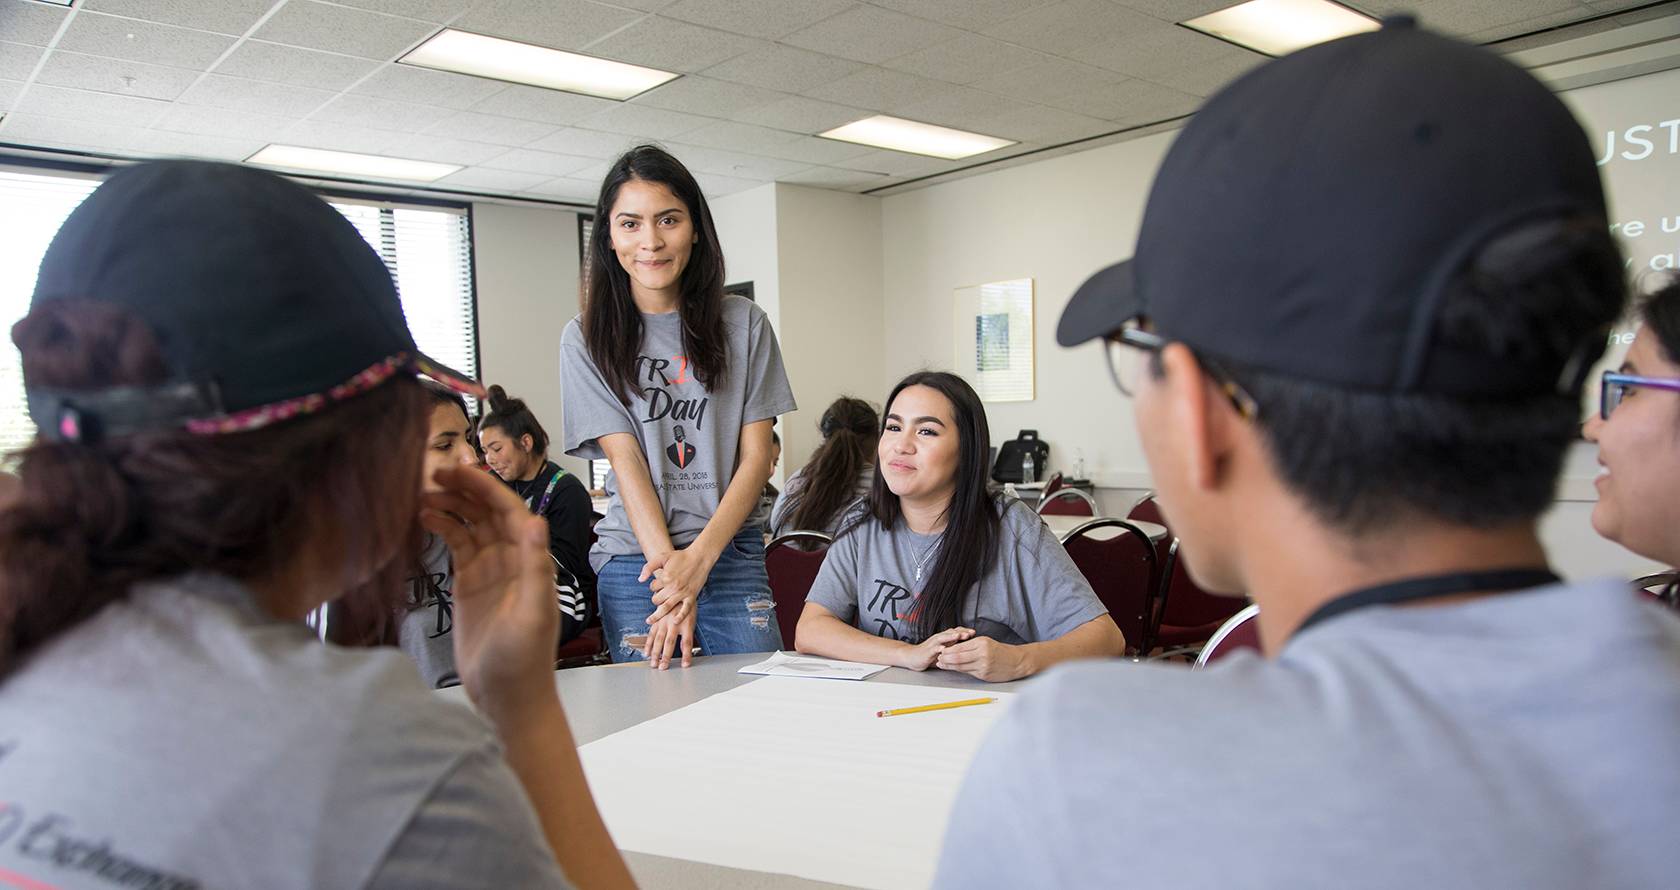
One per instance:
[(1280, 27), (320, 160), (916, 138), (539, 66)]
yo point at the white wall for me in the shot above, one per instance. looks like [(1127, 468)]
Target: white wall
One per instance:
[(526, 265), (746, 225)]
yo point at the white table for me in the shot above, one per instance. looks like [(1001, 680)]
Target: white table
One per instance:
[(600, 701), (1063, 525)]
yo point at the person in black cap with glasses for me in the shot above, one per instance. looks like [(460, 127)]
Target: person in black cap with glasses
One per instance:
[(230, 435), (1369, 284)]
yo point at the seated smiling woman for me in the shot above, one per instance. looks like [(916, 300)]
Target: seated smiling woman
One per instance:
[(934, 570), (1637, 430)]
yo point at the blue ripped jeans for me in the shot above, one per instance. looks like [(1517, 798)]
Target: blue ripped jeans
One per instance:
[(734, 613)]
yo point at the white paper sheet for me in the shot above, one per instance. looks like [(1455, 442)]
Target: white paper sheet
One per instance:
[(798, 778), (787, 664)]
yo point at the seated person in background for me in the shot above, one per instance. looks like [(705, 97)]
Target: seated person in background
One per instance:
[(840, 471), (425, 622), (1637, 430), (252, 441), (935, 570), (1356, 411), (516, 447)]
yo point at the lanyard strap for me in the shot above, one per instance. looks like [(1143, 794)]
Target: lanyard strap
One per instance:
[(1496, 581), (548, 492)]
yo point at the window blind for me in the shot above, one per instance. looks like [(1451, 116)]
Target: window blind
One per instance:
[(427, 249), (586, 228)]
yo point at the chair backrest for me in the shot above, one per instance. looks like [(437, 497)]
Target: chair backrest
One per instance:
[(1118, 561), (1663, 587), (1053, 486), (1184, 604), (1146, 510), (1240, 631), (792, 562), (1067, 502)]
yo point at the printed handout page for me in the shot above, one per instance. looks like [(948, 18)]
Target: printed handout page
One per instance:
[(787, 664), (781, 775)]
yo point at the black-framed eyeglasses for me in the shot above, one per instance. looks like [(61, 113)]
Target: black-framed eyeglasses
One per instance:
[(1131, 349), (1614, 386)]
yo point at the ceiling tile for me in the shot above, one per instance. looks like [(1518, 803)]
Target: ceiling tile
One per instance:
[(590, 143), (1153, 50), (577, 191), (783, 68), (736, 136), (524, 160), (769, 19), (58, 132), (870, 34), (104, 35), (105, 108), (894, 163), (966, 59), (1207, 77), (801, 115), (671, 45), (443, 150), (1039, 123), (159, 144), (1050, 78), (383, 114), (478, 178), (286, 64), (730, 163), (9, 92), (1179, 10), (834, 178), (703, 95), (548, 106), (222, 16), (637, 120), (17, 60), (410, 84), (346, 137), (223, 122), (312, 25), (715, 186), (560, 24), (971, 15), (1065, 27), (118, 76), (879, 89), (1465, 19), (34, 23), (261, 96), (476, 127), (961, 107), (1532, 25), (424, 10), (815, 150)]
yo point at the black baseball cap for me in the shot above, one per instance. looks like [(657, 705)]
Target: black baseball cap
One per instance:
[(266, 302), (1308, 218)]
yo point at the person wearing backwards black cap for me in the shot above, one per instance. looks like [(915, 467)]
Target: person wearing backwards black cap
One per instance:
[(230, 435), (1355, 410)]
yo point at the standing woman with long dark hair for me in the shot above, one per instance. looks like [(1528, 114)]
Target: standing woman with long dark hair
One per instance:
[(936, 570), (676, 386), (839, 473)]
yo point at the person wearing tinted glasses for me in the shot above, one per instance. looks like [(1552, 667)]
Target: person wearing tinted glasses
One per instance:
[(1637, 430)]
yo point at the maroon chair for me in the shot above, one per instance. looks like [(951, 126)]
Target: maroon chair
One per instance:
[(1185, 615), (792, 561), (1121, 568), (1054, 485), (1067, 502), (1241, 631)]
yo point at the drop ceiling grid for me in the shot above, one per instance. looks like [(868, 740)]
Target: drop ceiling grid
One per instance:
[(145, 77)]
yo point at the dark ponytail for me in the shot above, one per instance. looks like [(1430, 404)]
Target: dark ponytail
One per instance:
[(514, 419), (91, 520), (850, 429)]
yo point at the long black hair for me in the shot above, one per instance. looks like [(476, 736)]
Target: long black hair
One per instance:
[(1661, 314), (612, 326), (514, 419), (849, 428), (969, 543)]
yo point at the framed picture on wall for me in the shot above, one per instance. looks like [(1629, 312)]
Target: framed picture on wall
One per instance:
[(992, 329)]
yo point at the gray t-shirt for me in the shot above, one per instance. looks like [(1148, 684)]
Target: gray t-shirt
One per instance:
[(183, 738), (690, 435), (1521, 740), (424, 631), (1031, 593), (781, 514)]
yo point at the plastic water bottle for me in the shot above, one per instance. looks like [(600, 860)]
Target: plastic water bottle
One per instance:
[(1079, 463), (1029, 473)]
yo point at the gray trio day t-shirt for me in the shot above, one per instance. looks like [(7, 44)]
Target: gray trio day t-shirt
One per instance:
[(689, 434), (183, 738), (1031, 593), (424, 632), (1520, 740)]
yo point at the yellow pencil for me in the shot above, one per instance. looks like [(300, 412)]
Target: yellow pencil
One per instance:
[(939, 707)]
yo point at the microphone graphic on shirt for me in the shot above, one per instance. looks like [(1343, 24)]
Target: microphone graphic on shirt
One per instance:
[(681, 453)]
